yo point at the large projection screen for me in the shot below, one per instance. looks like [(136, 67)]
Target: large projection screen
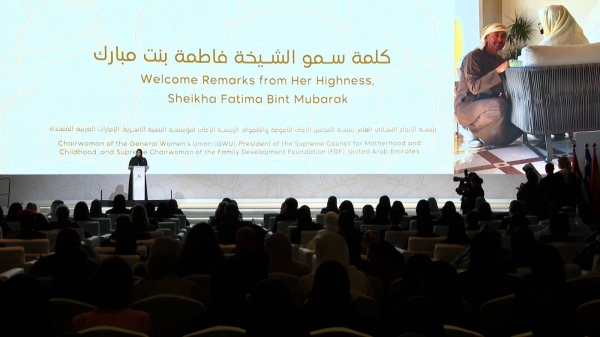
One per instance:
[(227, 87)]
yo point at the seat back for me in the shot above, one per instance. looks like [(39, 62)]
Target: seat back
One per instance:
[(203, 286), (291, 282), (35, 246), (357, 224), (282, 226), (377, 288), (219, 331), (10, 273), (63, 310), (168, 313), (588, 314), (182, 221), (91, 226), (321, 219), (140, 250), (533, 219), (131, 260), (495, 311), (418, 244), (399, 238), (454, 331), (338, 332), (51, 236), (405, 222), (170, 225), (109, 331), (105, 225), (536, 228), (14, 225), (160, 233), (365, 228), (448, 252), (412, 225), (291, 230), (267, 219), (441, 230), (307, 236), (11, 257), (495, 223)]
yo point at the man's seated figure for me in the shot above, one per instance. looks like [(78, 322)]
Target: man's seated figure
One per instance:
[(481, 105)]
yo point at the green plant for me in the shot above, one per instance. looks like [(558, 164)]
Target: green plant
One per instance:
[(519, 32)]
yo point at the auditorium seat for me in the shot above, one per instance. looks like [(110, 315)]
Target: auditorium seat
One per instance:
[(494, 312), (10, 273), (202, 282), (219, 331), (141, 250), (365, 228), (170, 225), (495, 223), (168, 313), (337, 332), (321, 219), (588, 314), (282, 226), (91, 226), (412, 225), (62, 311), (405, 222), (448, 252), (14, 225), (113, 219), (357, 224), (105, 225), (583, 283), (307, 236), (160, 233), (454, 331), (105, 331), (399, 238), (305, 256), (536, 228), (227, 249), (423, 245), (572, 270), (533, 219), (267, 220), (33, 248)]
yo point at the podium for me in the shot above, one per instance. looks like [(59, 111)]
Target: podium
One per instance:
[(139, 182)]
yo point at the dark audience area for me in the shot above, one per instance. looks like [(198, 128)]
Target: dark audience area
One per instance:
[(385, 271)]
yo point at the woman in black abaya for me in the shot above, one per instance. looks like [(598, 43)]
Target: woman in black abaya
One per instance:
[(138, 160)]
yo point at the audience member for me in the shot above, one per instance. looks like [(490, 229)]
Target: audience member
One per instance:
[(485, 278), (515, 207), (440, 285), (52, 215), (448, 210), (25, 307), (200, 252), (473, 221), (457, 234), (370, 237), (332, 247), (347, 205), (81, 212), (399, 205), (331, 225), (395, 219), (4, 225), (272, 300), (139, 219), (386, 263), (522, 242), (331, 206), (245, 241), (163, 212), (123, 230), (112, 286), (161, 273), (381, 216), (62, 221), (367, 213), (13, 209), (330, 303), (291, 205), (422, 209), (573, 188), (303, 223), (69, 267), (279, 250), (425, 226), (484, 211), (528, 193), (559, 230), (27, 221), (96, 210), (433, 205), (219, 212), (151, 213), (119, 205), (227, 227), (227, 300)]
